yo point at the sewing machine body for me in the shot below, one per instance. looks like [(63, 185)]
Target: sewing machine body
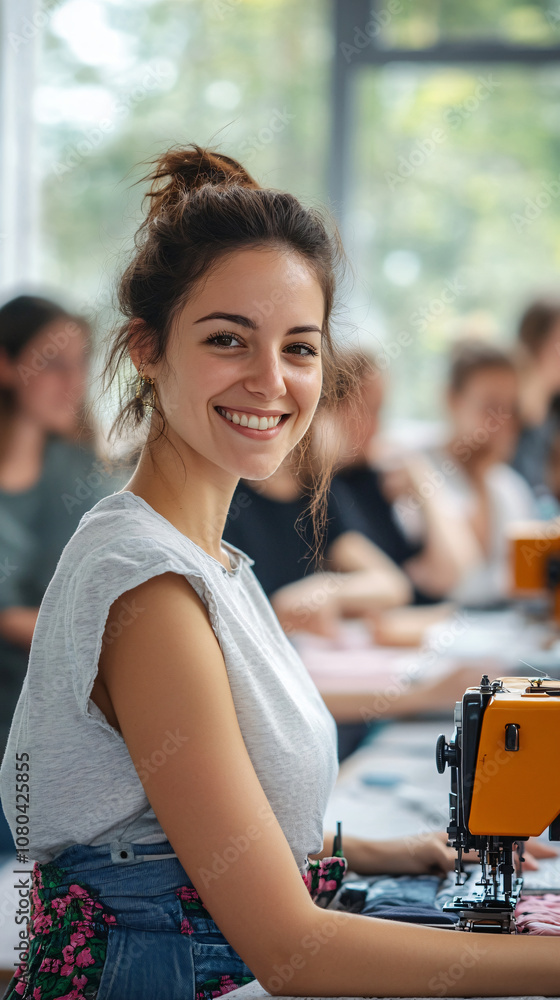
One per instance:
[(505, 787)]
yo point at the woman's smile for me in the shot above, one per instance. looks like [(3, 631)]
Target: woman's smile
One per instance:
[(253, 425)]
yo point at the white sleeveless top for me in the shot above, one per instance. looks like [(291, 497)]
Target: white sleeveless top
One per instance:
[(84, 788)]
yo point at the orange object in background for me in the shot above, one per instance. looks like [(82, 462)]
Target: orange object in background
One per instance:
[(535, 560), (517, 792)]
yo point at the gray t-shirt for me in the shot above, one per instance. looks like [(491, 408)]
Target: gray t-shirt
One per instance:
[(35, 525), (84, 788)]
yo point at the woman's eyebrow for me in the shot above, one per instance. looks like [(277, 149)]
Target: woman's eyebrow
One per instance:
[(304, 329), (251, 325), (231, 318)]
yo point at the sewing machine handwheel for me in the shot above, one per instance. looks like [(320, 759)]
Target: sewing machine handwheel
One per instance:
[(441, 755)]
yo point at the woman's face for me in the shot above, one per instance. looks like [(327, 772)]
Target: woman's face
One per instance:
[(485, 412), (49, 376), (244, 370)]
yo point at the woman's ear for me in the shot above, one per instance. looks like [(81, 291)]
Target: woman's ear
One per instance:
[(138, 342)]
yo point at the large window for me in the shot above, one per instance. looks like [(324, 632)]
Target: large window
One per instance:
[(431, 127), (451, 190)]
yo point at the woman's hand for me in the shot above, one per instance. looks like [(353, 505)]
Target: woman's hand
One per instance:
[(534, 849), (424, 854)]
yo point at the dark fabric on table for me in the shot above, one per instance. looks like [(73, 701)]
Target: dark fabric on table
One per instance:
[(409, 898)]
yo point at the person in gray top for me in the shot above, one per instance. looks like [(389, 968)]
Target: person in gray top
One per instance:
[(176, 681), (50, 473)]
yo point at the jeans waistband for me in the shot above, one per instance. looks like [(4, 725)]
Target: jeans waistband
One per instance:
[(118, 852)]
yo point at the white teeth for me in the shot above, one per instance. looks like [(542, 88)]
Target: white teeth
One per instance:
[(252, 421)]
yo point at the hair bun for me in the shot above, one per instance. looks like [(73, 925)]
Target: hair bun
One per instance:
[(186, 169)]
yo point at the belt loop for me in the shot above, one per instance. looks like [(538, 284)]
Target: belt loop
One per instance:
[(122, 853)]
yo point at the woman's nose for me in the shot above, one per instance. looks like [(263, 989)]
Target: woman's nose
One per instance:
[(264, 376)]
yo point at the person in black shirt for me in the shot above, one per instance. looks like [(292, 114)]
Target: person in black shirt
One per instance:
[(269, 521), (367, 483)]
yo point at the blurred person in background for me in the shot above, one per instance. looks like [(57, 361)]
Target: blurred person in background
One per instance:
[(370, 473), (538, 364), (50, 474), (379, 566), (470, 470), (368, 565)]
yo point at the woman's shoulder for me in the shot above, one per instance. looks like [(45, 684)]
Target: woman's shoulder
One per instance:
[(122, 531)]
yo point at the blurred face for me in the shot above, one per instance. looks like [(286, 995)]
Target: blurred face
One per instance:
[(243, 370), (484, 413), (49, 376)]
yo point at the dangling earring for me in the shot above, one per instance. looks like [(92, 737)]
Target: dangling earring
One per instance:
[(142, 381)]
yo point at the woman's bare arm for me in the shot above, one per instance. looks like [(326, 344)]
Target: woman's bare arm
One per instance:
[(17, 625), (165, 671), (359, 580)]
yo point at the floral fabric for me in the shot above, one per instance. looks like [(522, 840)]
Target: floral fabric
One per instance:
[(69, 932), (67, 940), (323, 879)]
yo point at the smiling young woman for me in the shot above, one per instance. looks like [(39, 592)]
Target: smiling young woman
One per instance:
[(177, 755)]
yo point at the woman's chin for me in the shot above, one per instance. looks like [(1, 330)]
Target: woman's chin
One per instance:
[(257, 470)]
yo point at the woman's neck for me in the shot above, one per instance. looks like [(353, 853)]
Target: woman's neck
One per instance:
[(195, 500), (22, 461), (282, 485)]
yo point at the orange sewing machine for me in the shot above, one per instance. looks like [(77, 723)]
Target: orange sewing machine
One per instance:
[(505, 787), (535, 560)]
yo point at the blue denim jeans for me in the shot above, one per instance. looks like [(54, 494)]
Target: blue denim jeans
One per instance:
[(122, 922)]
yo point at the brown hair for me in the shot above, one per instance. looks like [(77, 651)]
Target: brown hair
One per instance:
[(469, 357), (21, 319), (537, 322), (202, 206)]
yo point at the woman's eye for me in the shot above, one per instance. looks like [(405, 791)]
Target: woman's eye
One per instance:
[(222, 339), (310, 352)]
